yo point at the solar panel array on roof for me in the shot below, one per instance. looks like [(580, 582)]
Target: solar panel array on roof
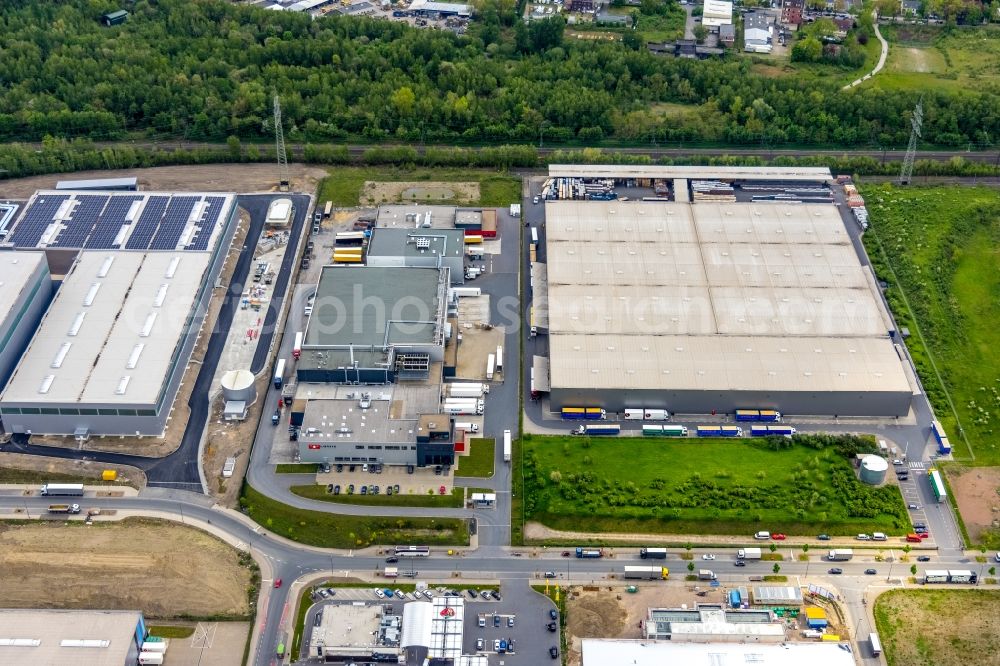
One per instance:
[(108, 220), (172, 226), (211, 217), (148, 221), (36, 219), (109, 225), (79, 226)]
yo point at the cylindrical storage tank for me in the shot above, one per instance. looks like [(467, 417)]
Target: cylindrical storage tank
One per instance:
[(873, 469), (239, 385)]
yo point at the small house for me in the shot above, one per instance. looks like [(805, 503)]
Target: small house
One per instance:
[(114, 18)]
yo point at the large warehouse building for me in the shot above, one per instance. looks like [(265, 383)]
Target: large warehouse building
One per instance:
[(113, 346), (25, 292), (374, 325), (695, 307), (31, 637)]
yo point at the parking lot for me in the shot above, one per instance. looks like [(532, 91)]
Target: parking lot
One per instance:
[(512, 613)]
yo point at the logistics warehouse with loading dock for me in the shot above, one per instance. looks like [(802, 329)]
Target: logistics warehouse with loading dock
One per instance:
[(695, 307)]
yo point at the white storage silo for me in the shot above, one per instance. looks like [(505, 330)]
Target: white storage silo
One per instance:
[(238, 385), (873, 469)]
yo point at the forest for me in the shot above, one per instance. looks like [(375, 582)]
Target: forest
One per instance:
[(208, 70)]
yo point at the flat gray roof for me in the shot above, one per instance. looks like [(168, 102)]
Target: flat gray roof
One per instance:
[(399, 242), (693, 172), (710, 296), (131, 183), (344, 421), (110, 334), (599, 651), (442, 217), (377, 306), (16, 269), (56, 637)]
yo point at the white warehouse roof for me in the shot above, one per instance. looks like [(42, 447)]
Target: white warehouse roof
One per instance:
[(600, 652), (16, 268), (31, 637), (709, 296), (111, 332)]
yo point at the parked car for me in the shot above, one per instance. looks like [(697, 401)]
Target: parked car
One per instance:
[(741, 563), (479, 643), (388, 490), (364, 490), (336, 490), (924, 534), (350, 489), (823, 537), (442, 490), (708, 556), (409, 469), (323, 593), (553, 614), (870, 572), (836, 571), (923, 558), (496, 594), (778, 537), (550, 574), (375, 488), (340, 468), (485, 594), (395, 488), (554, 652), (472, 594), (863, 537), (552, 626), (496, 620), (428, 595), (400, 594), (915, 507), (510, 620)]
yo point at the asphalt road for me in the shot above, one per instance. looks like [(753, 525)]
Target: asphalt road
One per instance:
[(290, 561)]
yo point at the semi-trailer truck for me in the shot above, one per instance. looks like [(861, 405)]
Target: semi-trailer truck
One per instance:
[(491, 362), (297, 346), (771, 430), (653, 553), (647, 415), (645, 573), (468, 389), (767, 415), (583, 413), (590, 552), (840, 555), (606, 429), (748, 554), (67, 489), (507, 446), (64, 508), (720, 431), (467, 426), (279, 373), (469, 406)]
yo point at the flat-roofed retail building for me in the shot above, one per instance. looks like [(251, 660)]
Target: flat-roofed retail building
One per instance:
[(715, 306)]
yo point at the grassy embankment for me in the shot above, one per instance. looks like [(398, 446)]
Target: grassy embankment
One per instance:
[(330, 530), (343, 185)]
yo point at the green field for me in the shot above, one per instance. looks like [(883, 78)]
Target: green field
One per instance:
[(479, 462), (939, 627), (343, 185), (935, 58), (318, 492), (296, 468), (10, 475), (705, 486), (937, 249), (330, 530)]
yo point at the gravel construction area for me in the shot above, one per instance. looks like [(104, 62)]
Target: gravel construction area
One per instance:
[(977, 491), (379, 192), (164, 570)]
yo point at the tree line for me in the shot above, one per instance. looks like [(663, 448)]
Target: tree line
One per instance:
[(208, 70)]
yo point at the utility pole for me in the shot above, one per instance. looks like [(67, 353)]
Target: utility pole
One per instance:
[(279, 137), (916, 122)]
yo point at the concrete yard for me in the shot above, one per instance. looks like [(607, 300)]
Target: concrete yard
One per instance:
[(215, 643)]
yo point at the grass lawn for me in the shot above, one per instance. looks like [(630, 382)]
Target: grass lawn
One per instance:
[(479, 462), (343, 185), (704, 486), (318, 492), (937, 58), (939, 627), (329, 530), (937, 249), (297, 468), (169, 631)]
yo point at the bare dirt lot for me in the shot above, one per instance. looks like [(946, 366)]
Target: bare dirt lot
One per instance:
[(162, 569), (977, 491), (199, 178), (378, 192), (939, 627)]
